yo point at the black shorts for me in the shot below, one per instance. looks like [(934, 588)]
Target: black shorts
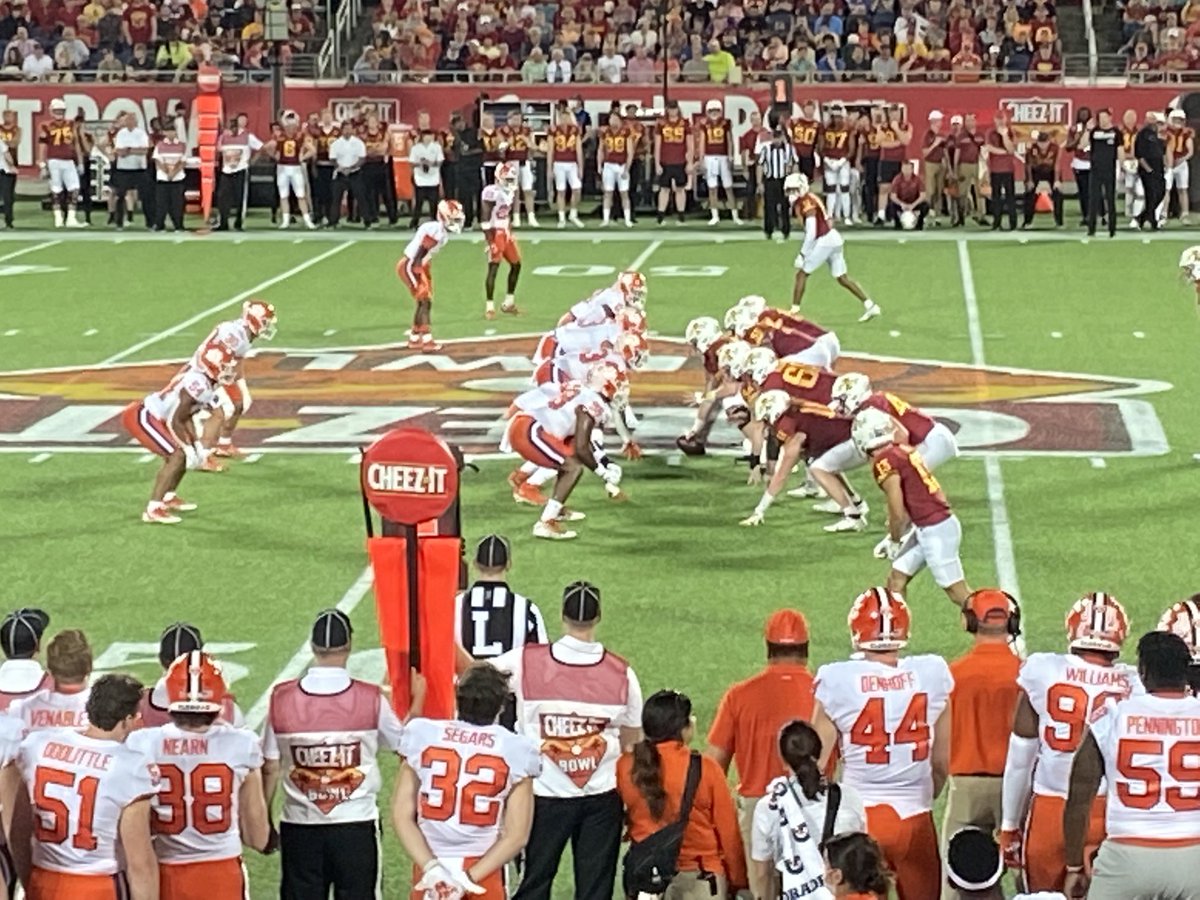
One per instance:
[(673, 175), (888, 169), (808, 166)]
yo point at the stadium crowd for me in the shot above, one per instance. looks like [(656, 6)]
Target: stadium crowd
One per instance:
[(1160, 42), (140, 40), (539, 756), (715, 41)]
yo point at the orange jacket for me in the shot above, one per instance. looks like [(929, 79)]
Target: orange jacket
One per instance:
[(712, 841)]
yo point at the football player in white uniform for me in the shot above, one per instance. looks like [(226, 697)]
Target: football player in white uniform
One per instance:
[(210, 797), (162, 423), (1146, 748), (463, 805), (258, 322), (64, 703), (1060, 692), (890, 717), (495, 212), (1183, 619), (414, 269), (551, 426)]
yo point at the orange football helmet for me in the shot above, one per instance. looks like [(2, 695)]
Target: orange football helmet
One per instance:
[(1097, 621), (217, 362), (1183, 619), (879, 620), (259, 316), (634, 348), (631, 319), (605, 379), (507, 175), (195, 684), (633, 286)]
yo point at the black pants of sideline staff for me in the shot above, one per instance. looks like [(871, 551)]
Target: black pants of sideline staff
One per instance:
[(231, 195), (776, 213), (593, 827), (168, 201), (1004, 199), (315, 858), (1154, 186), (351, 184), (8, 189), (424, 197), (1102, 197)]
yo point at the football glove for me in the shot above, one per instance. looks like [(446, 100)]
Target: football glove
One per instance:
[(440, 882), (632, 450), (195, 455), (755, 518), (893, 549), (1010, 847), (611, 474)]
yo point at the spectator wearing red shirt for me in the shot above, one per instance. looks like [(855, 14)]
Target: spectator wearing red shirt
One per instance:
[(1002, 165), (907, 194), (141, 23), (1045, 66)]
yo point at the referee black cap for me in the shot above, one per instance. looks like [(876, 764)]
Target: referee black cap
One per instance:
[(581, 602), (492, 552), (21, 632), (178, 640), (332, 630), (973, 860)]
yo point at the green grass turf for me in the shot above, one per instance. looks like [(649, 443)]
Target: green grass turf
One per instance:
[(686, 590)]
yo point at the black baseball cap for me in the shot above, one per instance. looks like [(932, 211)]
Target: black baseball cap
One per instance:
[(332, 630), (581, 602), (21, 632), (973, 860), (492, 552), (178, 640)]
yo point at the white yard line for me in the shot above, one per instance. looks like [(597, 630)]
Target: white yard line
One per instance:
[(295, 666), (223, 305), (645, 255), (1006, 563), (45, 245)]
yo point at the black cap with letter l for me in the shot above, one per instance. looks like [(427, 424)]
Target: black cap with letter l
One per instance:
[(178, 640), (492, 552), (581, 602), (21, 632), (332, 630)]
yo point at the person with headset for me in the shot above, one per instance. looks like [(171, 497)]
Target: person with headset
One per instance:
[(981, 705)]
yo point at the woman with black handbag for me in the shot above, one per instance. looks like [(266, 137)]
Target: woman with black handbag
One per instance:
[(799, 813), (679, 813)]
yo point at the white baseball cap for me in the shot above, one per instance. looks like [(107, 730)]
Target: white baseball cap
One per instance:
[(713, 104), (1177, 115), (936, 116), (956, 120), (58, 103)]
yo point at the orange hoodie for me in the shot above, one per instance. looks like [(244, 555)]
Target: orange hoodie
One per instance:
[(712, 841)]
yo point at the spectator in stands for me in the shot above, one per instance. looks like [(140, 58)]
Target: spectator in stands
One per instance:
[(22, 41), (110, 30), (366, 68), (641, 69), (720, 62), (858, 67), (559, 69), (140, 23), (585, 70), (803, 61), (10, 65), (74, 52), (140, 66), (38, 65), (830, 65), (610, 67), (173, 55), (776, 54), (1045, 64), (533, 70), (884, 66)]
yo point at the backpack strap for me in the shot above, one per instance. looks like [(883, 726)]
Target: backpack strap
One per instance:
[(833, 800), (689, 788)]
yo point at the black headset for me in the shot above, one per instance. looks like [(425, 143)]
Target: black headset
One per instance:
[(1014, 614)]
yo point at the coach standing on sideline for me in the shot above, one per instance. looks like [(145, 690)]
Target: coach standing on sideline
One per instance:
[(132, 146), (236, 146), (583, 705), (1150, 151), (10, 139), (321, 741), (1002, 166), (776, 160), (426, 158), (1104, 140), (753, 712), (468, 182), (985, 692), (347, 153), (168, 159)]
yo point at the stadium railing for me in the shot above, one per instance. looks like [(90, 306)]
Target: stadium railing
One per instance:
[(341, 32), (1089, 22)]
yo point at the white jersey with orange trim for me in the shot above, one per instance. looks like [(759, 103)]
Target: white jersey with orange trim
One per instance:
[(574, 339), (502, 207), (49, 708), (200, 777), (233, 335), (553, 406), (1151, 749), (1065, 691), (885, 717), (78, 787), (432, 235), (162, 404), (575, 366), (466, 773), (600, 307), (11, 735)]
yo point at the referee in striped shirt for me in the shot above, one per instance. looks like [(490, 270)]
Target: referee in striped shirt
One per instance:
[(776, 160), (491, 617)]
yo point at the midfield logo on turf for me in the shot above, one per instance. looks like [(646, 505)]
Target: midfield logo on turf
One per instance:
[(337, 400)]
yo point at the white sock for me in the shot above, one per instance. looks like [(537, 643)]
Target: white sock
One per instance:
[(510, 300), (529, 468), (491, 306), (562, 215), (831, 204), (540, 476), (551, 510)]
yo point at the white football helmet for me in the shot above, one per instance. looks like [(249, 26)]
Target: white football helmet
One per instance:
[(605, 379), (754, 302), (259, 318), (1189, 263), (1097, 621), (732, 357), (703, 332), (634, 348), (849, 392), (450, 214), (215, 361), (507, 175), (1183, 620), (760, 362), (633, 286), (771, 405), (872, 429), (740, 319), (632, 320), (795, 186)]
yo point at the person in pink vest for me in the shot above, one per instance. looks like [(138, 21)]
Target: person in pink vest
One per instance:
[(583, 705), (21, 674), (323, 737)]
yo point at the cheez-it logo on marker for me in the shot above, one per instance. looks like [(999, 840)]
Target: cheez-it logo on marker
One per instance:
[(409, 476), (401, 479)]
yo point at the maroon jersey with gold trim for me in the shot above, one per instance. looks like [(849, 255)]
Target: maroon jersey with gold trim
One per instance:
[(802, 382), (784, 333), (716, 136), (59, 138), (288, 148), (565, 141), (805, 134), (811, 205), (923, 498), (710, 355), (491, 144), (519, 139), (822, 428), (323, 138), (616, 144), (836, 143), (916, 423), (673, 137)]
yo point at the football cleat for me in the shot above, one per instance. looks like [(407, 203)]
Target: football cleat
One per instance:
[(509, 309), (489, 314), (228, 451), (870, 311), (210, 465), (828, 505), (807, 491), (689, 445), (177, 504), (528, 494), (160, 515), (571, 515), (550, 531), (847, 523)]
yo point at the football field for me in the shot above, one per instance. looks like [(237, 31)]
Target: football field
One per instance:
[(1068, 368)]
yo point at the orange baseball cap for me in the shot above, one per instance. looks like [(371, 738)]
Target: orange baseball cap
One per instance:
[(990, 603), (787, 626)]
